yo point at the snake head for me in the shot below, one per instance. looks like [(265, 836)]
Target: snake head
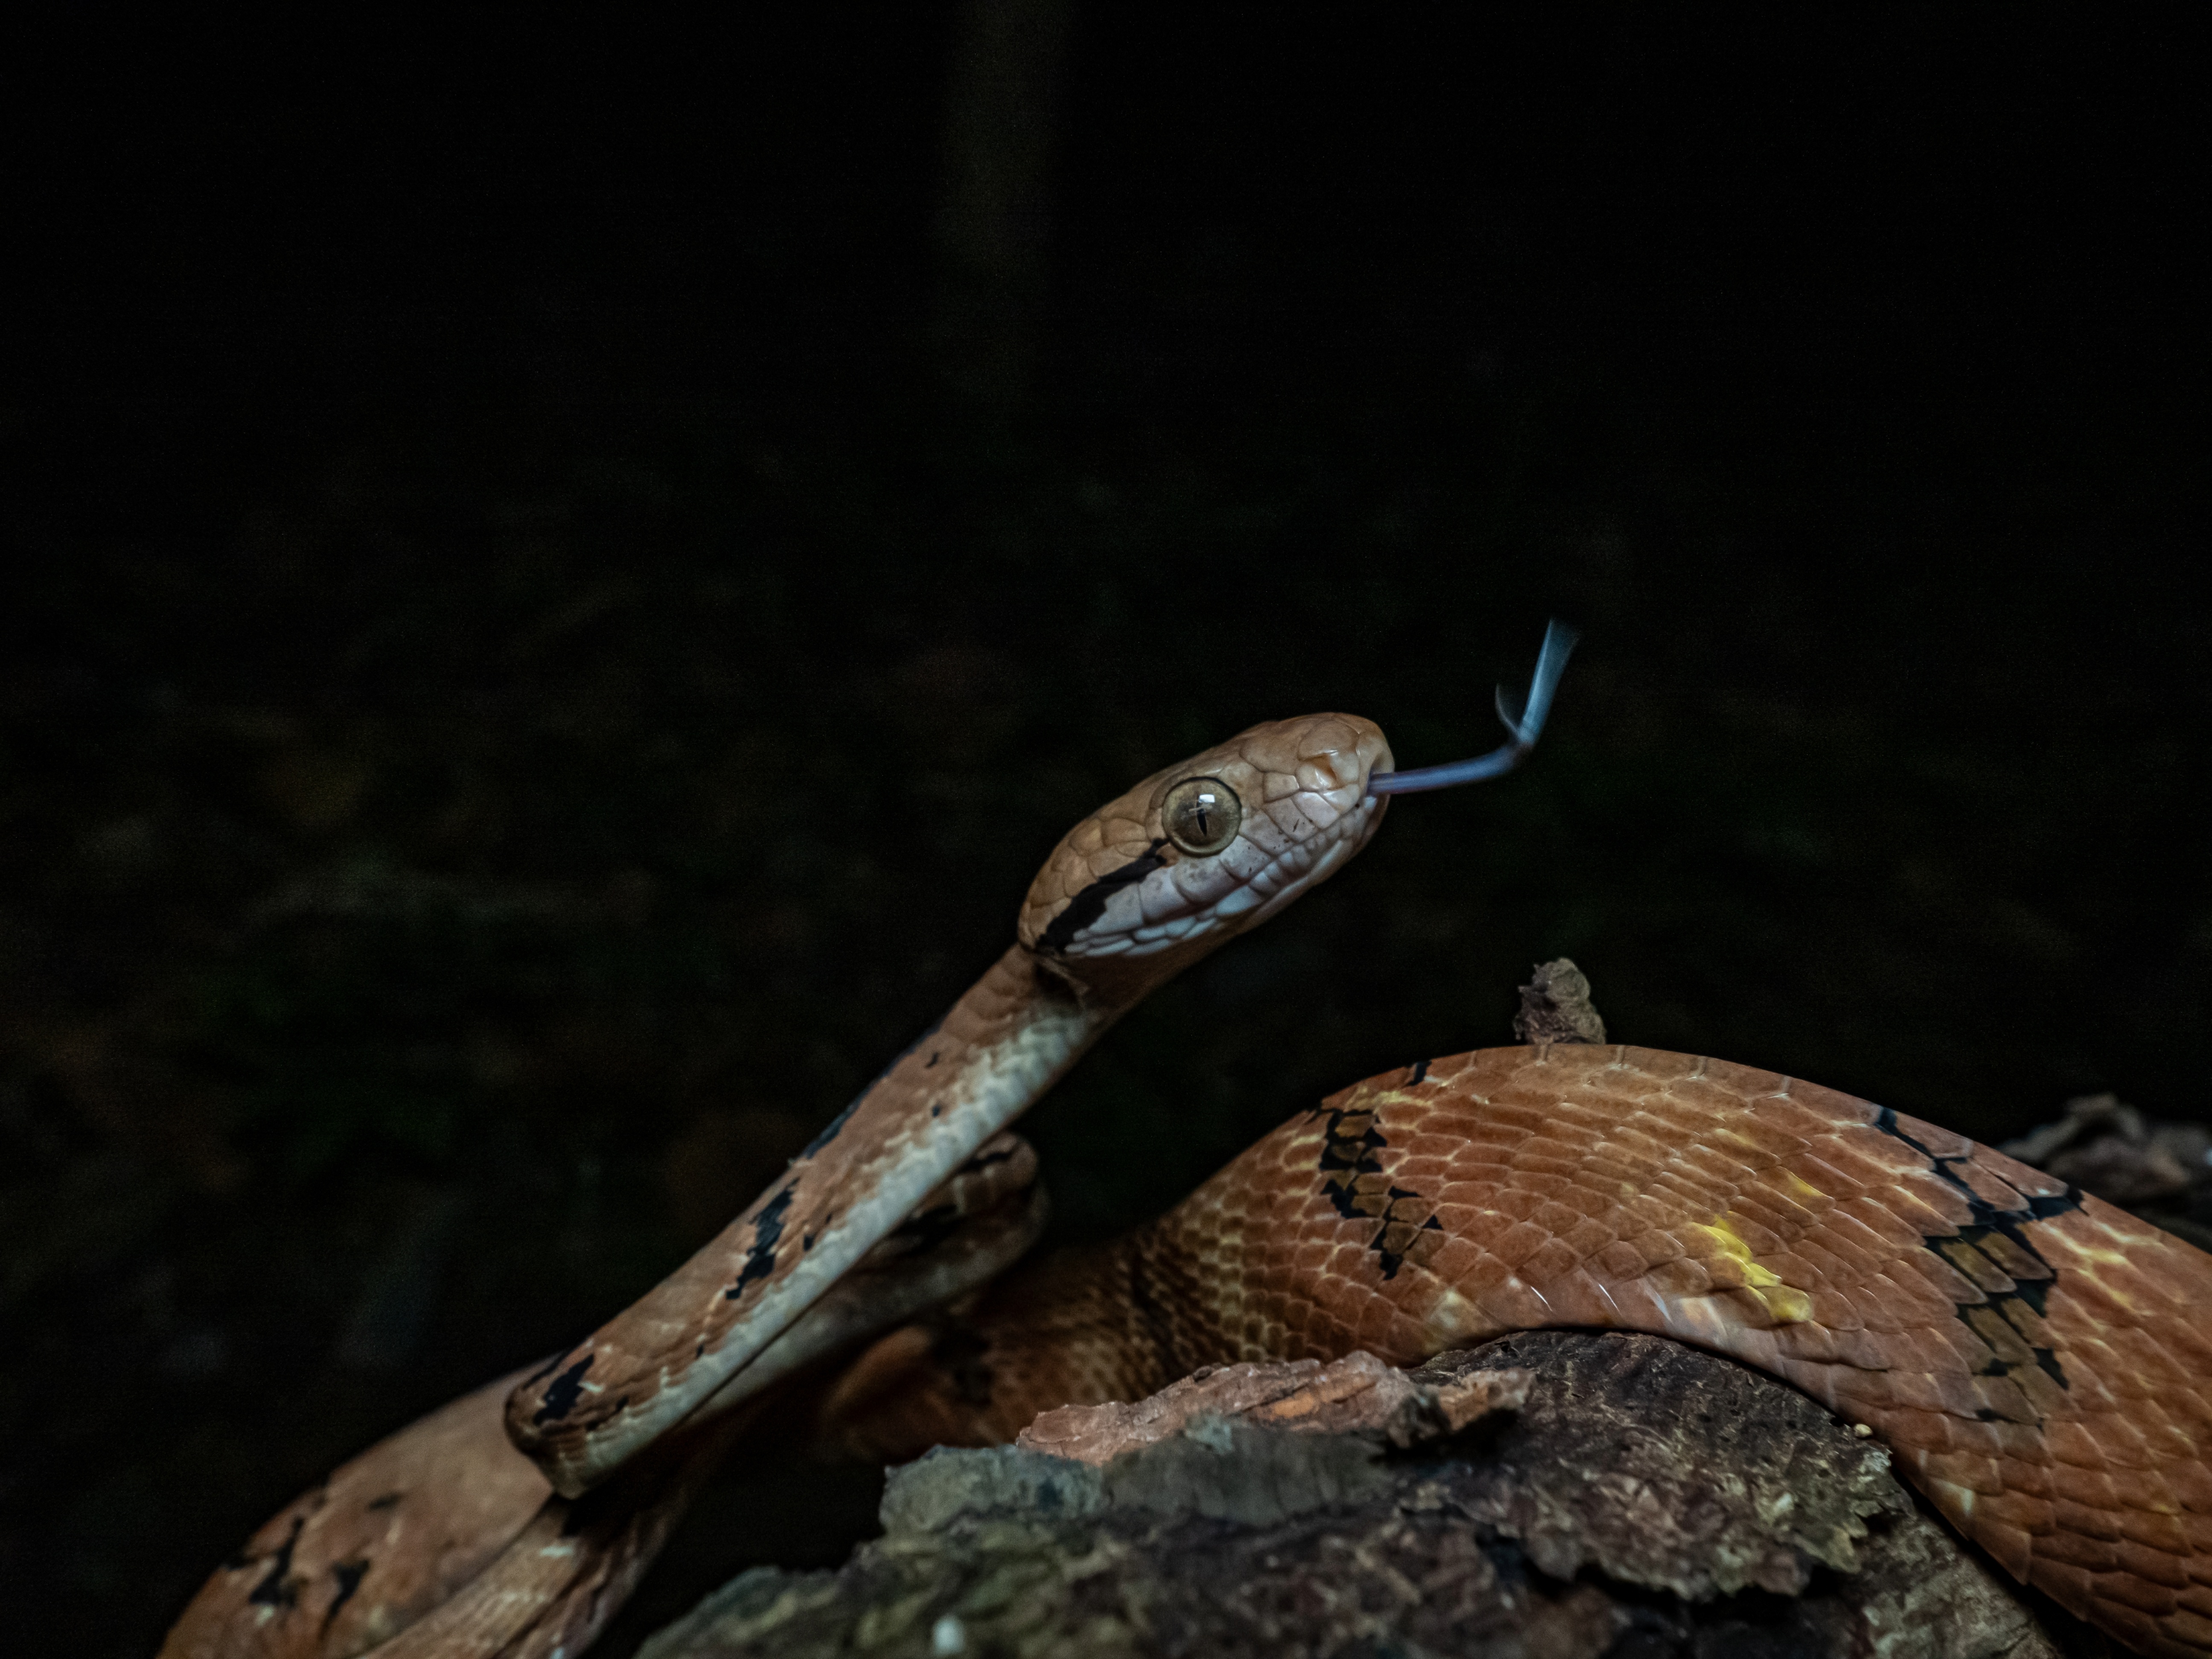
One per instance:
[(1198, 853), (1202, 850)]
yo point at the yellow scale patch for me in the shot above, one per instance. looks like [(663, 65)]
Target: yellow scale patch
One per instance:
[(1785, 1304), (1801, 1186)]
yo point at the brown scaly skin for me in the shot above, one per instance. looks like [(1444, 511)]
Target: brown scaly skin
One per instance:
[(2039, 1362), (444, 1542), (437, 1497), (485, 1563), (1116, 910)]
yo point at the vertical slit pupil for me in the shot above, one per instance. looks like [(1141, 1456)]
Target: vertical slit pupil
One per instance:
[(1202, 815)]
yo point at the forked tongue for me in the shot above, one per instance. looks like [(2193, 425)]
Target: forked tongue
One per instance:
[(1551, 662)]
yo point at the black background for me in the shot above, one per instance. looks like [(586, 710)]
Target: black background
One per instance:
[(520, 685)]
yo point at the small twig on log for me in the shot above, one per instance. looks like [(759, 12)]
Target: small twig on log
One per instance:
[(1555, 1007)]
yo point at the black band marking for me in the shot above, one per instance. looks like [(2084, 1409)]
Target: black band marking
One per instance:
[(768, 1232), (277, 1588), (1353, 1180), (348, 1574), (563, 1392), (2009, 1225), (1087, 905)]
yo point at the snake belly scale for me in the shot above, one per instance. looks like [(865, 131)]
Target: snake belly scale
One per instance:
[(2038, 1361)]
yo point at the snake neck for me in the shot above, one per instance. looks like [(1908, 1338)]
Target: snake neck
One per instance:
[(996, 1050)]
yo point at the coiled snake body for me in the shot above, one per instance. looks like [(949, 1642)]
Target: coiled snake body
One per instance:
[(2039, 1362)]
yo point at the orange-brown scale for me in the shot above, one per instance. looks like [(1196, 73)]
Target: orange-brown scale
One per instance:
[(2039, 1363), (391, 1535), (1118, 908)]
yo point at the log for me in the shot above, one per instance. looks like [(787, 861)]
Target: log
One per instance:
[(1552, 1495)]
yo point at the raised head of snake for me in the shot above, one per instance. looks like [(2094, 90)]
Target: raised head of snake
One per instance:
[(1144, 886), (440, 1542), (2037, 1360)]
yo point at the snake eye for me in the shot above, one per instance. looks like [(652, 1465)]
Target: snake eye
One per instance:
[(1201, 815)]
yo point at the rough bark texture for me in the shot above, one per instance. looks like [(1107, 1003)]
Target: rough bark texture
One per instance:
[(2160, 1170), (1644, 1499), (1357, 1393), (1556, 1006)]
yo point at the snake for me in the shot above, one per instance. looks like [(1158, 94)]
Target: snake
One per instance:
[(2038, 1361)]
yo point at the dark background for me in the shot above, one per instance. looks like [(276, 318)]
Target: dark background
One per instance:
[(560, 581)]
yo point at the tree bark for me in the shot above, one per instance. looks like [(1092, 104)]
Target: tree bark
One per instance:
[(1553, 1495)]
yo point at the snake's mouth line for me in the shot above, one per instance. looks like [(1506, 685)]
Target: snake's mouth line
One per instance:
[(1259, 892)]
